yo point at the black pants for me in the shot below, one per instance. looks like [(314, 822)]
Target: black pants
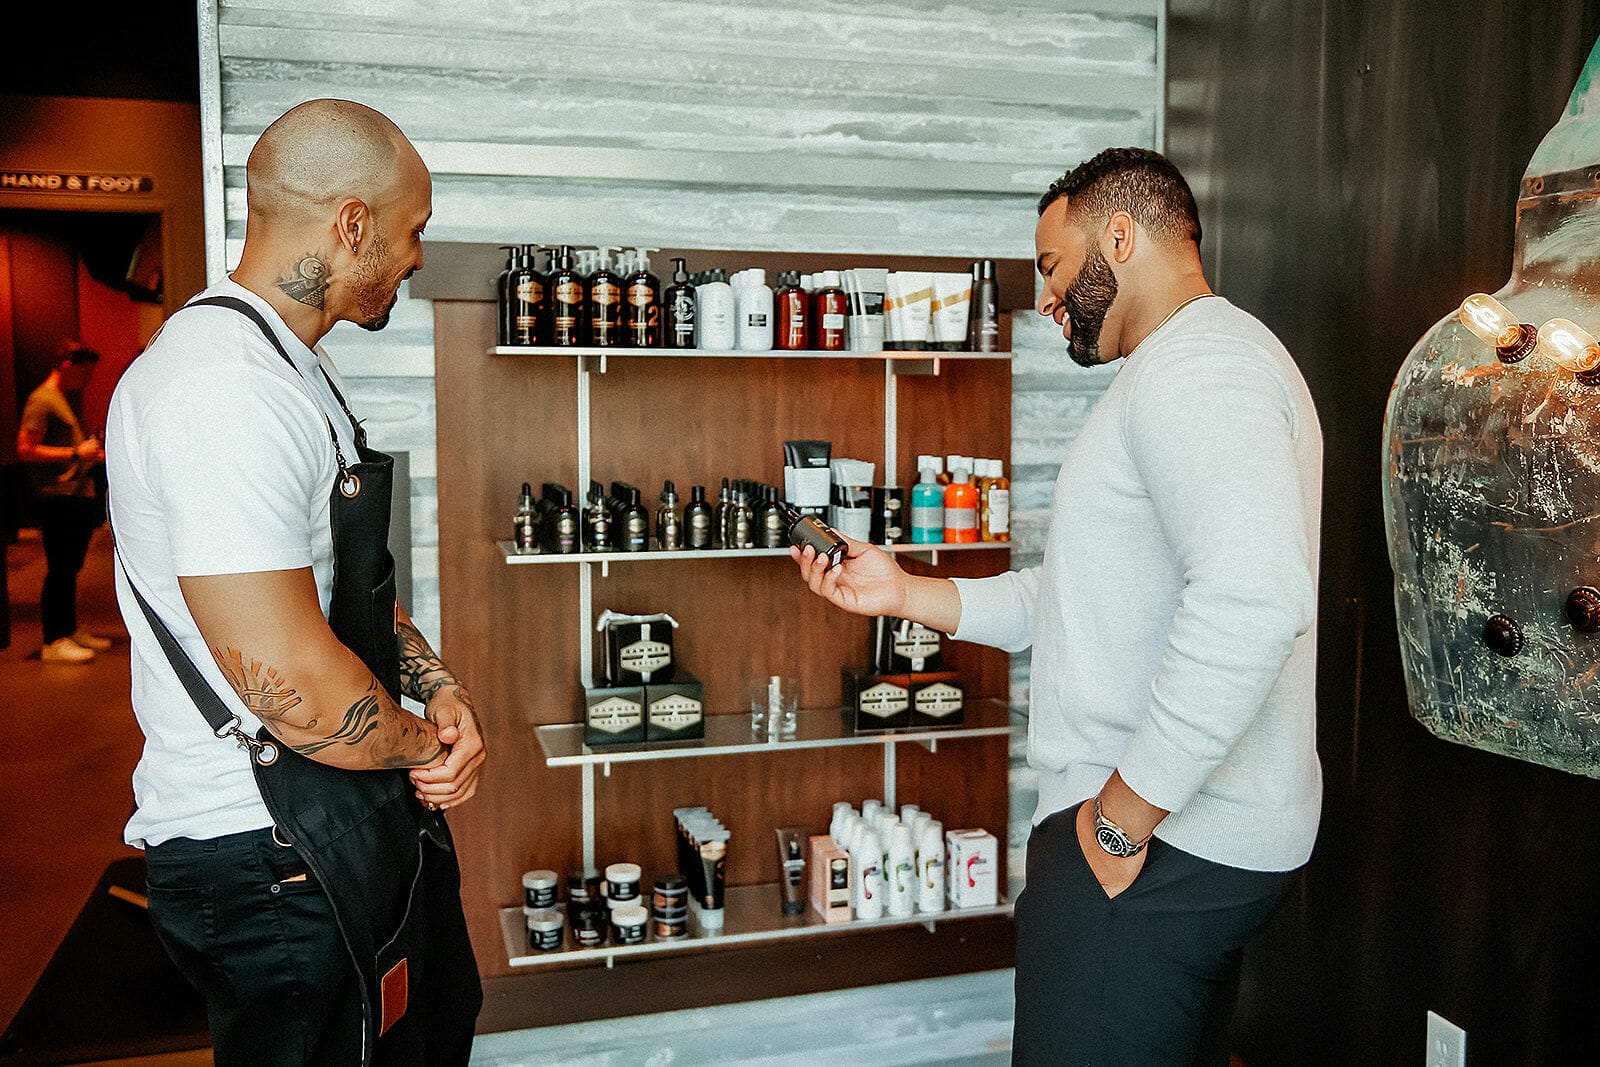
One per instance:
[(248, 925), (66, 524), (1147, 977)]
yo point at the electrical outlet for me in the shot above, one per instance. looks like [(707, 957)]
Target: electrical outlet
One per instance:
[(1447, 1043)]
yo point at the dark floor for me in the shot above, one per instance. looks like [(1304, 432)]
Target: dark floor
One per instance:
[(68, 745)]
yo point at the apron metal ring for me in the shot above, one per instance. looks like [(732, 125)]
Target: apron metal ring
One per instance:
[(350, 486), (276, 840)]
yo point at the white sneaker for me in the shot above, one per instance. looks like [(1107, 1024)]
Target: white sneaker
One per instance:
[(91, 641), (65, 650)]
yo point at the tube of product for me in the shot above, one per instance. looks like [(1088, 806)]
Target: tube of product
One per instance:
[(917, 293), (867, 308), (713, 855), (894, 311), (792, 861), (952, 302)]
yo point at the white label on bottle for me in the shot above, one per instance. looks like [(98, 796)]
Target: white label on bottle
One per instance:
[(832, 321), (645, 657), (614, 715), (675, 712), (927, 516), (999, 511), (756, 319), (918, 643), (883, 700), (938, 700), (961, 518)]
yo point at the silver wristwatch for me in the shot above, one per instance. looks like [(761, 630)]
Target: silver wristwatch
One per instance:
[(1114, 839)]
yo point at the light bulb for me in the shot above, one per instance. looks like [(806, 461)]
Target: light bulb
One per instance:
[(1571, 347), (1494, 323)]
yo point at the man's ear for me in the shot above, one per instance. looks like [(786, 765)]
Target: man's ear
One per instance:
[(1119, 237), (351, 223)]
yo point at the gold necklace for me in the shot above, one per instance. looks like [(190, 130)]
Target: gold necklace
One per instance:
[(1170, 314)]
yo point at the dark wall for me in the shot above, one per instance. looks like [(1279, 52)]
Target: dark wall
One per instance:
[(1357, 167)]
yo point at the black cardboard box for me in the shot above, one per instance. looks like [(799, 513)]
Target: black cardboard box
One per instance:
[(937, 699), (613, 715), (639, 653), (900, 646), (875, 702), (675, 711)]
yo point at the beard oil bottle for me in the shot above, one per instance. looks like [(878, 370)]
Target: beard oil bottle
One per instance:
[(697, 519)]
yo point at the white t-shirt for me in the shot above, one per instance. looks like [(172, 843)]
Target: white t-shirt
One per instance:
[(219, 462)]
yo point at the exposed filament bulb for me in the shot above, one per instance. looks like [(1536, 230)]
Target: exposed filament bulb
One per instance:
[(1571, 347), (1493, 322)]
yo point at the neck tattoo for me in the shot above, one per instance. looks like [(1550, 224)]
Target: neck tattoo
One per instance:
[(307, 281)]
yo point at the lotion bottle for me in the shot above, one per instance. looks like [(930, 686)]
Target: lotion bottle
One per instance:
[(715, 314), (753, 300), (679, 300), (994, 522), (960, 508), (831, 305), (927, 504), (867, 860), (930, 866), (903, 879), (793, 327)]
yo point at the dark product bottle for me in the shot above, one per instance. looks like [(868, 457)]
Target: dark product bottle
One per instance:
[(698, 520), (724, 506), (524, 525), (772, 530), (643, 312), (527, 292), (669, 529), (831, 305), (741, 521), (985, 327), (807, 530), (635, 523), (566, 301), (597, 532), (565, 523), (679, 300), (502, 291), (793, 324), (605, 304)]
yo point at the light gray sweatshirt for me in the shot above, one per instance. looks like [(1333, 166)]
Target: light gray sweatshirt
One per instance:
[(1173, 620)]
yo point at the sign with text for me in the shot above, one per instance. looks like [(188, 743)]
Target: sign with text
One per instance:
[(37, 181)]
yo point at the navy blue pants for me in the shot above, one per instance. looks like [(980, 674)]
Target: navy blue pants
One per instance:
[(249, 926), (1147, 977), (66, 526)]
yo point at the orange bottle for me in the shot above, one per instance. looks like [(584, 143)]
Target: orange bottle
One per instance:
[(960, 507)]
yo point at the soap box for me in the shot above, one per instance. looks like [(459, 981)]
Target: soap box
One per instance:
[(830, 880), (875, 702), (639, 653), (937, 699), (973, 872), (903, 646), (613, 715), (675, 710)]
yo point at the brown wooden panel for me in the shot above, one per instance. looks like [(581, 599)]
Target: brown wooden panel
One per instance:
[(513, 632)]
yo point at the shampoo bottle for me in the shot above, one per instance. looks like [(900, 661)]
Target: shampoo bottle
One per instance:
[(669, 531), (927, 504), (867, 860), (679, 301), (714, 314), (754, 302), (930, 865), (566, 303), (644, 303), (903, 880), (960, 508), (986, 309), (793, 328), (605, 303), (994, 522), (697, 519), (831, 304), (528, 295), (503, 293)]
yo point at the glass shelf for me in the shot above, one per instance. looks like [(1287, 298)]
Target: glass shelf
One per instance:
[(730, 735), (753, 914), (704, 353), (515, 558)]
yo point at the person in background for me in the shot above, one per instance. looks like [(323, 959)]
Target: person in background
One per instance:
[(1173, 627), (62, 461)]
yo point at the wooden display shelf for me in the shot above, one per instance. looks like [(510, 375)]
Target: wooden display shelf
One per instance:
[(753, 914), (687, 555), (730, 735), (887, 355)]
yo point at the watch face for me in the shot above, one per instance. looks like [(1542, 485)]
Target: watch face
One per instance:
[(1111, 841)]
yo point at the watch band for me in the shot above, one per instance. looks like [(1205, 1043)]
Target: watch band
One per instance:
[(1113, 839)]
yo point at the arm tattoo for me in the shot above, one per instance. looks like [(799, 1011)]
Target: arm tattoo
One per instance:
[(263, 690), (307, 280), (422, 674)]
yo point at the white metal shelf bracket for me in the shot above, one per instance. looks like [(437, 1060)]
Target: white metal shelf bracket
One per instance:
[(889, 775), (588, 817)]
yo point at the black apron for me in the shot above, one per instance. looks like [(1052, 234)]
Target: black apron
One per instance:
[(363, 834)]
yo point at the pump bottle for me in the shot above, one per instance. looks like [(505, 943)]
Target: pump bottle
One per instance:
[(697, 519), (566, 303), (831, 304), (927, 504), (644, 303), (605, 303), (526, 289), (715, 313), (679, 301), (960, 507), (503, 293), (994, 492), (793, 328), (669, 531)]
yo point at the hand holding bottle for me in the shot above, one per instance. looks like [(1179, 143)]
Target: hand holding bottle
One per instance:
[(867, 582)]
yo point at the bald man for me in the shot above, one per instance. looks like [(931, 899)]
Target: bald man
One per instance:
[(300, 871)]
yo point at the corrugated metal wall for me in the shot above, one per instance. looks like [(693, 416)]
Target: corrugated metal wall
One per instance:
[(895, 126)]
